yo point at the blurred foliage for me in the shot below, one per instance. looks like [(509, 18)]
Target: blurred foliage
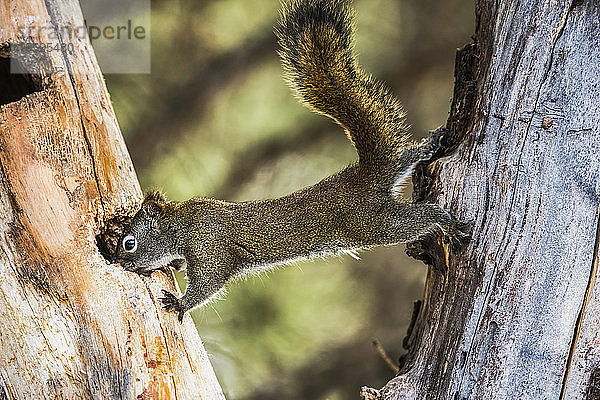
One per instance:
[(215, 119)]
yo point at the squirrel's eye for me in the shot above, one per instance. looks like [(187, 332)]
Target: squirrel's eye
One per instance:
[(129, 244)]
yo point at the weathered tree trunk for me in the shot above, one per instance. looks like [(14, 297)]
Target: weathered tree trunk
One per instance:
[(71, 324), (516, 315)]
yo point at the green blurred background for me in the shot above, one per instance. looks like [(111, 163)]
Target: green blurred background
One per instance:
[(214, 118)]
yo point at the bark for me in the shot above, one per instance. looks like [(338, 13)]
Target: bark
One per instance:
[(515, 315), (73, 325)]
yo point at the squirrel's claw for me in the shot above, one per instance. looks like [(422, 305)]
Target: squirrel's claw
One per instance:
[(459, 234), (172, 304), (435, 140), (430, 146)]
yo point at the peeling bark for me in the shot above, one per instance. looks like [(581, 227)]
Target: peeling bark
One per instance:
[(516, 314), (73, 325)]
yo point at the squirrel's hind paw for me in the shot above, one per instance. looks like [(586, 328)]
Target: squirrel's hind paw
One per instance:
[(458, 234), (172, 304), (432, 144), (436, 137)]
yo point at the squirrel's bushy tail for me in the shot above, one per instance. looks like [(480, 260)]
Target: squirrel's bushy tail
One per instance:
[(317, 45)]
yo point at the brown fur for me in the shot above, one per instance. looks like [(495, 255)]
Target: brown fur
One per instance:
[(355, 209)]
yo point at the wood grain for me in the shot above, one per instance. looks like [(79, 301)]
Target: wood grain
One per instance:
[(71, 324), (516, 314)]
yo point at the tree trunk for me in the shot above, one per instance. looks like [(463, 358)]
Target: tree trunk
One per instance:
[(71, 324), (516, 314)]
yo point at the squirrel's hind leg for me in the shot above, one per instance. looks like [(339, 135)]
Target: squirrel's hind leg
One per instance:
[(410, 157), (415, 221)]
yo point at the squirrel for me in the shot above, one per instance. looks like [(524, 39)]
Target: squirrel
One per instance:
[(355, 209)]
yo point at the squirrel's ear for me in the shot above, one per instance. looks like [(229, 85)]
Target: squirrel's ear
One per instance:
[(153, 204)]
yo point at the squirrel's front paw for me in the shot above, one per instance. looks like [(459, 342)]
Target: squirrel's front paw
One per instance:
[(173, 304)]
